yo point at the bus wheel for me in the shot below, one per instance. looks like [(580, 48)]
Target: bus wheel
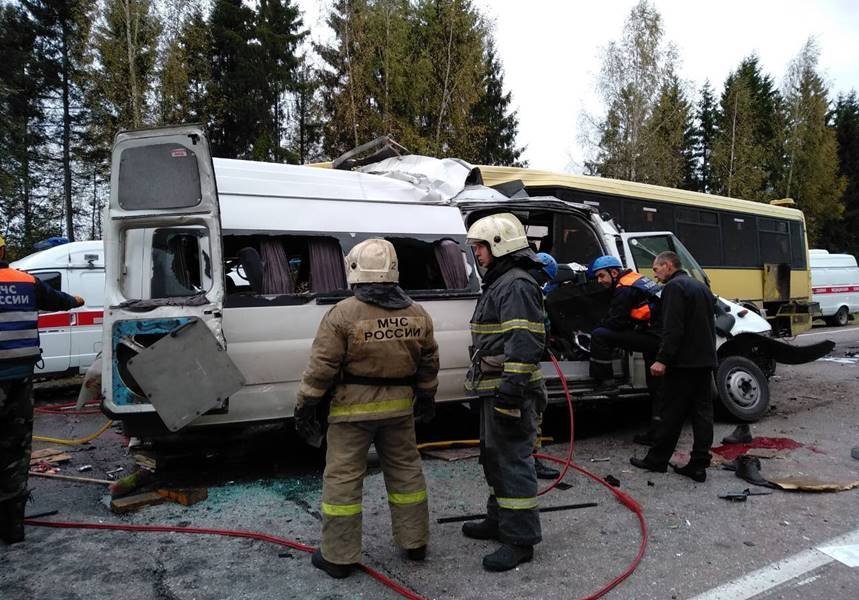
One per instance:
[(840, 318), (743, 388)]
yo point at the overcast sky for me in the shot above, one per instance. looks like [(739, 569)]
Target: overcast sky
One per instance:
[(551, 52)]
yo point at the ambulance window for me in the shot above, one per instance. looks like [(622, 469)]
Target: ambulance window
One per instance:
[(176, 263), (52, 278), (161, 176)]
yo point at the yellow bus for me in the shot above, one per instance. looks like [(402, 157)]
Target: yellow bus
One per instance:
[(752, 252)]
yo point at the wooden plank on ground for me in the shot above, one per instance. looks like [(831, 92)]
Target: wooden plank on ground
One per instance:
[(49, 455), (135, 502)]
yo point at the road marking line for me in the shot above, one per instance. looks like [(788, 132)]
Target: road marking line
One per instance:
[(777, 573), (829, 332)]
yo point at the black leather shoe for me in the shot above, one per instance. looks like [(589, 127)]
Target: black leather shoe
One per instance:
[(508, 557), (481, 530), (544, 471), (698, 474), (645, 439), (334, 570), (749, 468), (416, 553), (12, 520), (643, 463), (740, 435)]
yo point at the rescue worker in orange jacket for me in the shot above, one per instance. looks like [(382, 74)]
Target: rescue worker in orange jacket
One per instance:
[(21, 297), (630, 324), (376, 354)]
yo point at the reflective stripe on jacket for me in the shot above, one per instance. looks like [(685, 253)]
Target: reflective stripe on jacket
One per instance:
[(360, 345), (19, 327), (641, 313), (508, 336)]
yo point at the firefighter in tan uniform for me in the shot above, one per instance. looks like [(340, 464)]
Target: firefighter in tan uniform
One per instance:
[(376, 354)]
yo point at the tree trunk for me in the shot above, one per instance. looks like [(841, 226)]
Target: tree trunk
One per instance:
[(67, 127), (131, 40)]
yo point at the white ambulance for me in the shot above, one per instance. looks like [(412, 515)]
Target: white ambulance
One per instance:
[(70, 339), (835, 285)]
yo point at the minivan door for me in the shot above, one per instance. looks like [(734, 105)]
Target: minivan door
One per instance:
[(164, 286)]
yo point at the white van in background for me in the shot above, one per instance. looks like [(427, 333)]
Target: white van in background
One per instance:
[(71, 339), (835, 285)]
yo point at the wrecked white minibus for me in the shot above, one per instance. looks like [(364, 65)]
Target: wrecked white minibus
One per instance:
[(219, 271)]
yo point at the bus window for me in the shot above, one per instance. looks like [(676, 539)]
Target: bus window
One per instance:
[(774, 241), (699, 230), (740, 240)]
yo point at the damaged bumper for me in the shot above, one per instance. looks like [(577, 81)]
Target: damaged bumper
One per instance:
[(779, 351)]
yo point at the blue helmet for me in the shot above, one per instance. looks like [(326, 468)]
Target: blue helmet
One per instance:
[(604, 262), (550, 265)]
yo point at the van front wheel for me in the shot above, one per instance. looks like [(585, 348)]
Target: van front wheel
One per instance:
[(743, 388), (840, 318)]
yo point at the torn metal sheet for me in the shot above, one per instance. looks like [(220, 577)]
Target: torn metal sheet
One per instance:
[(185, 373)]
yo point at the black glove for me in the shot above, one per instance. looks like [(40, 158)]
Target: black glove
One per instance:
[(506, 409), (307, 424), (424, 408)]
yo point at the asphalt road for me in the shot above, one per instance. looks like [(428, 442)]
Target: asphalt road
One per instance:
[(699, 546)]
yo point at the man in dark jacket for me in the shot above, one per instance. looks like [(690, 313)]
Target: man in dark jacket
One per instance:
[(21, 297), (508, 340), (631, 324), (686, 358)]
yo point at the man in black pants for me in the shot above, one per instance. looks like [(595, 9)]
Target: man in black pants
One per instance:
[(686, 358)]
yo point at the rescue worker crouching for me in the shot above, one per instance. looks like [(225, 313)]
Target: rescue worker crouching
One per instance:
[(631, 324), (508, 337), (21, 297), (377, 355)]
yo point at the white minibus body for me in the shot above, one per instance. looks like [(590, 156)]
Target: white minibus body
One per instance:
[(219, 271)]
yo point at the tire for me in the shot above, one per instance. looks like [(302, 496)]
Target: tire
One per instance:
[(840, 318), (743, 388)]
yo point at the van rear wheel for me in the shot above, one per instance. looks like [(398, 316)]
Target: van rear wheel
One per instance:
[(743, 388), (840, 318)]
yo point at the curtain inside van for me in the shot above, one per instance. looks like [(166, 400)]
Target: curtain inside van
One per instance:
[(327, 272), (276, 277), (451, 264)]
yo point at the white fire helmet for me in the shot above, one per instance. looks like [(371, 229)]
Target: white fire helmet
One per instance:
[(503, 232), (372, 261)]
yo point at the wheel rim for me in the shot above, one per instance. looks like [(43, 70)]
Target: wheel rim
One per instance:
[(841, 317), (743, 388)]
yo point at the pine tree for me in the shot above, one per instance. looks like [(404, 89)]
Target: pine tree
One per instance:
[(305, 116), (704, 136), (633, 72), (747, 154), (125, 42), (811, 173), (278, 31), (493, 125), (63, 27), (667, 153), (185, 69), (843, 235), (29, 211)]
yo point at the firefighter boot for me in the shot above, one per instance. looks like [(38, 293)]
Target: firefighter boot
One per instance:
[(12, 520), (334, 570), (692, 471), (481, 530), (740, 435), (507, 557), (417, 554), (544, 471)]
